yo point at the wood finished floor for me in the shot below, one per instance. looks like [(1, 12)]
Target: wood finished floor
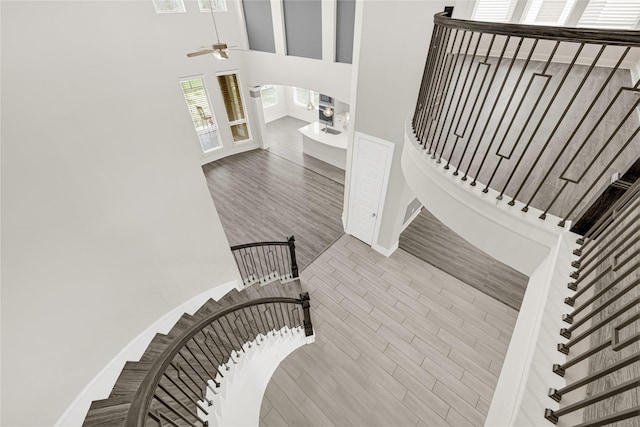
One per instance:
[(430, 240), (399, 343), (263, 197), (285, 141)]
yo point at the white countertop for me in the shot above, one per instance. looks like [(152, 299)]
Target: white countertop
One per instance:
[(314, 131)]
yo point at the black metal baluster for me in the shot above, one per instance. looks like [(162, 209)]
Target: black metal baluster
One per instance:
[(475, 102), (493, 108), (504, 113), (453, 96), (446, 98), (602, 116)]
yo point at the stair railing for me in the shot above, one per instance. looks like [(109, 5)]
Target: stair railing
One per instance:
[(265, 262), (496, 107), (175, 389), (603, 322)]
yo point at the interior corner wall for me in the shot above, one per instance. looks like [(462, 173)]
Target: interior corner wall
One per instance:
[(390, 66), (107, 222)]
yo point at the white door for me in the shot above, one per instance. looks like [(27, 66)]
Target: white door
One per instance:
[(369, 177)]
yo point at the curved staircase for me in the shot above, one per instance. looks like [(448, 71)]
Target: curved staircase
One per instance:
[(185, 375)]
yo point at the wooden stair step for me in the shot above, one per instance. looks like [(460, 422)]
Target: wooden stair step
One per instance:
[(211, 306), (183, 324), (108, 412), (156, 347), (232, 298), (130, 378)]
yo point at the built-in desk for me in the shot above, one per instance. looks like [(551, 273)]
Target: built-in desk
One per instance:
[(323, 146)]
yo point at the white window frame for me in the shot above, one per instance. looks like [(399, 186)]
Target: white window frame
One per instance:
[(635, 26), (520, 9), (275, 95), (213, 116), (533, 7), (244, 106), (204, 5), (177, 2), (311, 96)]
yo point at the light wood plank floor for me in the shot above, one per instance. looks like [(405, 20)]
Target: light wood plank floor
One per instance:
[(285, 141), (263, 197), (399, 343), (430, 240)]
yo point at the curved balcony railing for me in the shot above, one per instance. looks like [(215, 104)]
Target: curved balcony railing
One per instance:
[(546, 116), (175, 386)]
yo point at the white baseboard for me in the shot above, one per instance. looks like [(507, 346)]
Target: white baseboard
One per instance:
[(101, 385), (384, 251), (276, 117)]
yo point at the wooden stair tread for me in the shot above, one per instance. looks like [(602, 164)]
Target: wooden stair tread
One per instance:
[(157, 345), (112, 411), (130, 378), (108, 412)]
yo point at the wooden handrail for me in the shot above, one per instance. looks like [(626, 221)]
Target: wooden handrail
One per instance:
[(139, 409), (542, 32)]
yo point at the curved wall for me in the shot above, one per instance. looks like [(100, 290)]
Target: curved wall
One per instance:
[(520, 240)]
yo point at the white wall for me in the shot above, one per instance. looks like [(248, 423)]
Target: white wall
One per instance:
[(390, 65), (279, 110), (286, 107), (107, 221)]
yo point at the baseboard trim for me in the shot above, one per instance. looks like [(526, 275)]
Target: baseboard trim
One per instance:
[(276, 117), (384, 251), (100, 386)]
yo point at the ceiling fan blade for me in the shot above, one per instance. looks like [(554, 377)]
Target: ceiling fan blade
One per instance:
[(199, 52)]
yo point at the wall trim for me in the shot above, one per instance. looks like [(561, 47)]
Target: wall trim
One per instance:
[(413, 216), (277, 117), (100, 386), (384, 251)]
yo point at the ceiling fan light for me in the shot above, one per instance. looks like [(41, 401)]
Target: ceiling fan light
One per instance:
[(220, 54)]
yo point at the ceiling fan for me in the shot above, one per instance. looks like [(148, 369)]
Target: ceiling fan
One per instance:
[(220, 50)]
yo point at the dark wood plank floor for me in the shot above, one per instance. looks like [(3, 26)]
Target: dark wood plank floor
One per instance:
[(263, 197), (433, 242)]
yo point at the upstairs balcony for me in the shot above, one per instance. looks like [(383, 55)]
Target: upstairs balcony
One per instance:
[(524, 141)]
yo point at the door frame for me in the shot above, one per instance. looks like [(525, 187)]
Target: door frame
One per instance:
[(390, 146)]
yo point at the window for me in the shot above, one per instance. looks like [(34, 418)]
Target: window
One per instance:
[(168, 6), (201, 114), (618, 14), (548, 12), (494, 10), (215, 5), (302, 96), (269, 96), (234, 105)]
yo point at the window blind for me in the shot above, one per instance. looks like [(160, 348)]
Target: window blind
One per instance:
[(618, 14), (202, 116), (168, 6), (216, 5), (233, 104), (493, 10), (269, 96), (302, 96), (548, 12), (231, 97)]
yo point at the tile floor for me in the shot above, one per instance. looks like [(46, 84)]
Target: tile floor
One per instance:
[(399, 343)]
